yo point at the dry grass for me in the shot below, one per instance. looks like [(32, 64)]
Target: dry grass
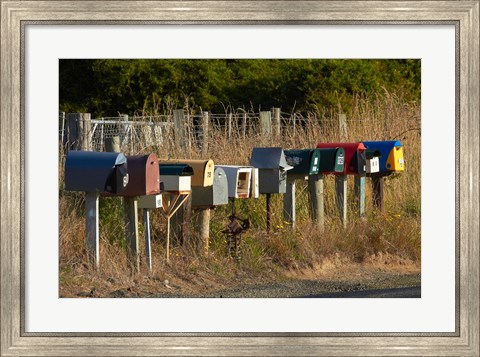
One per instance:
[(396, 232)]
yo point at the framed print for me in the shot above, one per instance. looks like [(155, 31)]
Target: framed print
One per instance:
[(57, 297)]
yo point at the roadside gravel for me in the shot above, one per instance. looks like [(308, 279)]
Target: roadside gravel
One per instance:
[(381, 283)]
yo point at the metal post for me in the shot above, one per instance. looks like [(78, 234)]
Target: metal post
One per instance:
[(289, 202), (92, 240), (148, 247), (269, 213)]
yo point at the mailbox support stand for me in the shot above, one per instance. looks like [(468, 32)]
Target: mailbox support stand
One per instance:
[(91, 227), (341, 197), (315, 189), (377, 189), (148, 246), (171, 204), (130, 209), (360, 194), (269, 212), (289, 209)]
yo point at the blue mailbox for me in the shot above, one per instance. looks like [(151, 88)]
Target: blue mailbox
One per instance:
[(92, 171), (391, 159)]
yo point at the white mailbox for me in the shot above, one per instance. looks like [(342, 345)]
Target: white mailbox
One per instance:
[(239, 180), (176, 177)]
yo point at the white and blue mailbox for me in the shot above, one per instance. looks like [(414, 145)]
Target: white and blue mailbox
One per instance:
[(91, 171)]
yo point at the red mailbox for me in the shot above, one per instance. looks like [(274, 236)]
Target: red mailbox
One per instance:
[(144, 176), (355, 159)]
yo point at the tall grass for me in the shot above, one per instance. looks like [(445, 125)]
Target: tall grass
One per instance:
[(395, 232)]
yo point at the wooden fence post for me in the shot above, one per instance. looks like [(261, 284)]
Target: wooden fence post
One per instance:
[(205, 135), (277, 121), (315, 190), (341, 197), (180, 131), (342, 126), (265, 125), (92, 241), (289, 202), (230, 125), (244, 125), (79, 131)]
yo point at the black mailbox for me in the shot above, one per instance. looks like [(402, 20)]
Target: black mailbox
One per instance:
[(92, 171)]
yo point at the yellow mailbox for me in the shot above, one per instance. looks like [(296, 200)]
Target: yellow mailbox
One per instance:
[(202, 170)]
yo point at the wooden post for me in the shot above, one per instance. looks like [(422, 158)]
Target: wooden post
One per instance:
[(230, 124), (269, 213), (179, 122), (148, 246), (92, 241), (130, 209), (203, 226), (244, 125), (79, 131), (113, 144), (342, 126), (277, 121), (341, 197), (265, 124), (377, 190), (289, 202), (205, 135), (315, 190), (359, 189)]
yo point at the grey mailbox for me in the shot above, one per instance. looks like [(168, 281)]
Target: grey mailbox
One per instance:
[(272, 169), (92, 171), (214, 195)]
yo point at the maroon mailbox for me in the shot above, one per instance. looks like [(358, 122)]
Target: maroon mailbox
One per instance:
[(355, 159), (143, 176)]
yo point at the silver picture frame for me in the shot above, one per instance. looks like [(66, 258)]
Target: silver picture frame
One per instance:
[(16, 15)]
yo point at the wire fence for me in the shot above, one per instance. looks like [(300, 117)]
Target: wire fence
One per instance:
[(182, 134)]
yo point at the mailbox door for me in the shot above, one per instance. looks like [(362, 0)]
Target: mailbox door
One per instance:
[(395, 161), (373, 165), (254, 190)]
